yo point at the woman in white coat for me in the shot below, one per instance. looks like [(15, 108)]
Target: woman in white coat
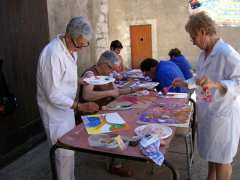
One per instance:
[(57, 83), (218, 73)]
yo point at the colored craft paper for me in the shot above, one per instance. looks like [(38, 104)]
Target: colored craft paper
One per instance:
[(104, 123), (168, 114)]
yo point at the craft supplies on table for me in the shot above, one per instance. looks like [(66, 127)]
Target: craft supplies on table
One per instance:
[(99, 80), (104, 123)]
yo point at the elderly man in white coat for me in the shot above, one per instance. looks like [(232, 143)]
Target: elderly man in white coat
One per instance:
[(218, 106), (57, 83)]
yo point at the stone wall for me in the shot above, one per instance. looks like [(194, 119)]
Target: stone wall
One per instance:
[(111, 20), (101, 32), (61, 11), (167, 18)]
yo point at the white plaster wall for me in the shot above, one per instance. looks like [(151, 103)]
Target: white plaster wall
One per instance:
[(100, 14), (61, 11), (111, 20), (168, 18)]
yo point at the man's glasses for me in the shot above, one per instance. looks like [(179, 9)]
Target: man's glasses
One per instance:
[(193, 37), (79, 46)]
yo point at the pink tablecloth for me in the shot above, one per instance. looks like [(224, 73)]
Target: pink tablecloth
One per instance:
[(78, 137)]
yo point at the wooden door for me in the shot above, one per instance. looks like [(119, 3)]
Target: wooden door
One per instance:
[(141, 43), (24, 32)]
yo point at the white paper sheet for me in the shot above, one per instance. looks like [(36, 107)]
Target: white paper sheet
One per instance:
[(114, 118), (174, 95)]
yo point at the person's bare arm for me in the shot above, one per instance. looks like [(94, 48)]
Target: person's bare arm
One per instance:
[(125, 91), (129, 90), (90, 95), (85, 107)]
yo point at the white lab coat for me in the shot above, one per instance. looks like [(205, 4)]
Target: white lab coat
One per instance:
[(219, 121), (56, 90)]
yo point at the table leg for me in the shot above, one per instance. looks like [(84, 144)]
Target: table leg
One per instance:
[(53, 149), (175, 173), (189, 153), (53, 161), (194, 123)]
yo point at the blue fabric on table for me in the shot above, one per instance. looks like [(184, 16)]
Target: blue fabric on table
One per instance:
[(152, 151)]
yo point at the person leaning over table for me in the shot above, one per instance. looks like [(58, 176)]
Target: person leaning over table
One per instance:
[(57, 83), (104, 94), (218, 70), (177, 57), (163, 72)]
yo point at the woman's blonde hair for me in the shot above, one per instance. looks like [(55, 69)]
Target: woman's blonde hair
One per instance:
[(200, 21)]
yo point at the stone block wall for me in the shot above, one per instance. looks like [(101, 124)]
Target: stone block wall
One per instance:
[(61, 11), (168, 18), (111, 20)]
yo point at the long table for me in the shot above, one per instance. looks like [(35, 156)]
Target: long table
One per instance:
[(77, 138)]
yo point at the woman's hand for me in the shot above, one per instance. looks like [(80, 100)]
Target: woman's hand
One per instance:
[(208, 84), (137, 88), (115, 92), (119, 77), (179, 83)]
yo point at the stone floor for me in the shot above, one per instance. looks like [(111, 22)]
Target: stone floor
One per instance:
[(34, 165)]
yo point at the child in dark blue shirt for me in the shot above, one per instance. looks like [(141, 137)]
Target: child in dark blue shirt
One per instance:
[(163, 72), (177, 57)]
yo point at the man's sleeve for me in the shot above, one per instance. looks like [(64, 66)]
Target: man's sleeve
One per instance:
[(52, 75)]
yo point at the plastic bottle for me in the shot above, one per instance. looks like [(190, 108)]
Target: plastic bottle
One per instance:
[(204, 93)]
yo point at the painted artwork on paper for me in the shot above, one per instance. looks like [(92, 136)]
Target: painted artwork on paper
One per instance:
[(169, 114), (104, 123)]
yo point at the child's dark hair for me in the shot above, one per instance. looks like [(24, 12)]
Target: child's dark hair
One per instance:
[(116, 44), (174, 52), (147, 64)]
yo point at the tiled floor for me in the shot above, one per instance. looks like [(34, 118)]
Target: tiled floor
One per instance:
[(35, 166)]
